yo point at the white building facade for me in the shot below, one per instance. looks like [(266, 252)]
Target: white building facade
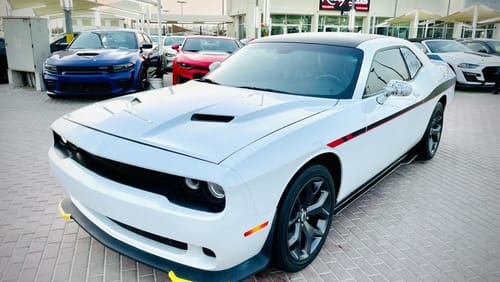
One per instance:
[(257, 18)]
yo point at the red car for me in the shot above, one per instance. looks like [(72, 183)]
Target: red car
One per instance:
[(197, 53)]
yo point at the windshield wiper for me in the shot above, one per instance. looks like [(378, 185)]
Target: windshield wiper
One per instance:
[(265, 89), (208, 80)]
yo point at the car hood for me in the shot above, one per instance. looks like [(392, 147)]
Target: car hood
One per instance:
[(200, 120), (91, 56), (469, 57)]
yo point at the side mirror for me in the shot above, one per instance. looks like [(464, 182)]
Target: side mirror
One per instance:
[(62, 46), (397, 88), (213, 66), (175, 47), (147, 46)]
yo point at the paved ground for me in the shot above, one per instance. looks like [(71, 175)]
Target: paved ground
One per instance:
[(438, 220)]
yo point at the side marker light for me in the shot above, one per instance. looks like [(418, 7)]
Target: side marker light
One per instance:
[(255, 229)]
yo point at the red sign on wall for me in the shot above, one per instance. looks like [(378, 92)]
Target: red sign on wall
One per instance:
[(344, 5)]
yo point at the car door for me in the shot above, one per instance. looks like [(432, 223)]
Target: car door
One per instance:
[(390, 123)]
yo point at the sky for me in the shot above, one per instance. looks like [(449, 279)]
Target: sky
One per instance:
[(193, 7)]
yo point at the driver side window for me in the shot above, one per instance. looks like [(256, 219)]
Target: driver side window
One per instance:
[(387, 64)]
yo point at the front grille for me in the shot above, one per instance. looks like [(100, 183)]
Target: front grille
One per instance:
[(83, 70), (490, 73), (163, 240), (182, 79), (198, 76), (170, 186), (82, 87), (154, 237)]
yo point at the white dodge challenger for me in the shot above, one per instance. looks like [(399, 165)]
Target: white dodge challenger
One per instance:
[(212, 179)]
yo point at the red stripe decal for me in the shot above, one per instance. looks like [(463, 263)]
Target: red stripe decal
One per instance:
[(335, 143)]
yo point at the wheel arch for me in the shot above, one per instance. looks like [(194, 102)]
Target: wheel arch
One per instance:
[(329, 160)]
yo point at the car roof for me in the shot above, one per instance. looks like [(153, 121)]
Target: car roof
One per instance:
[(113, 29), (480, 40), (209, 37), (346, 39)]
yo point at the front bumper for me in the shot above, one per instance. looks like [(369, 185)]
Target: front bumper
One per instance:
[(176, 271), (207, 242), (91, 84), (483, 76)]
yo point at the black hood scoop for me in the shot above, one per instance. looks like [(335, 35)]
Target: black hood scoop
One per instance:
[(211, 118), (87, 54)]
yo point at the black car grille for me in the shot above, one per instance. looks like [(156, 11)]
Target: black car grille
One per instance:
[(80, 87), (83, 70), (163, 240), (490, 73), (170, 186), (160, 239)]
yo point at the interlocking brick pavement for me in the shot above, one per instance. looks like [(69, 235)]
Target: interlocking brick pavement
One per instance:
[(435, 220)]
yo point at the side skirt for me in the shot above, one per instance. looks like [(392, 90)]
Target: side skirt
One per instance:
[(403, 160)]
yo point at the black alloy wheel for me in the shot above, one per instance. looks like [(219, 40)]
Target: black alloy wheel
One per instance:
[(304, 219), (430, 141)]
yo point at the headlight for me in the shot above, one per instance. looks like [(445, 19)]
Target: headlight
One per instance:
[(192, 183), (467, 66), (49, 68), (122, 67), (215, 190), (209, 191), (185, 66)]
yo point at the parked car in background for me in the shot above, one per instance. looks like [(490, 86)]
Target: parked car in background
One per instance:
[(473, 69), (212, 179), (168, 52), (3, 61), (197, 53), (245, 41), (109, 62), (488, 46)]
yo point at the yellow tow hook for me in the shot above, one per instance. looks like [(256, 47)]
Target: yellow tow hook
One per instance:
[(62, 213), (174, 277)]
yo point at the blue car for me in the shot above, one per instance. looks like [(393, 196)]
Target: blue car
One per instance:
[(101, 62)]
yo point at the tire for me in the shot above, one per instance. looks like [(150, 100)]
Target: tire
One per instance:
[(304, 219), (427, 147), (143, 78)]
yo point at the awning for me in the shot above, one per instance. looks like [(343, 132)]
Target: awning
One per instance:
[(420, 15), (52, 8), (467, 15), (193, 19)]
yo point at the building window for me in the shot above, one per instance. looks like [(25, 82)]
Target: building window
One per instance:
[(282, 24), (400, 30), (482, 31), (435, 30), (241, 27), (338, 23)]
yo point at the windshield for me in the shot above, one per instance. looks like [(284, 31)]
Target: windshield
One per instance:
[(444, 46), (210, 45), (169, 41), (294, 68), (494, 44), (105, 40)]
